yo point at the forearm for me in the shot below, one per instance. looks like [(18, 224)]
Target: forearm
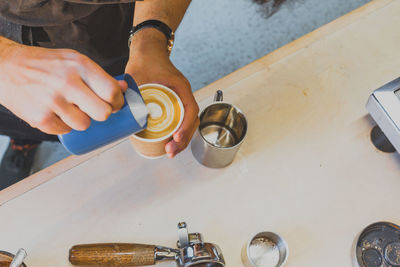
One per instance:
[(170, 12), (5, 45), (150, 63)]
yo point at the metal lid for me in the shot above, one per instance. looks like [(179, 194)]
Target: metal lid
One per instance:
[(379, 245)]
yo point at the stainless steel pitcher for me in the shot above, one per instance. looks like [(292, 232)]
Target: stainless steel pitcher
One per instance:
[(221, 132)]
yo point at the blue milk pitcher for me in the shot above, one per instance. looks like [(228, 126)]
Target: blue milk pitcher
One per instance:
[(130, 119)]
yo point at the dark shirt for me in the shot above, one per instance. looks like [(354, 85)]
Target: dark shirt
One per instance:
[(96, 28)]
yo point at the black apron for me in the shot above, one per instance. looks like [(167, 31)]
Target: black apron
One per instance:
[(96, 28)]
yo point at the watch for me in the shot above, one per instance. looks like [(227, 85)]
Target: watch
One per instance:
[(156, 24)]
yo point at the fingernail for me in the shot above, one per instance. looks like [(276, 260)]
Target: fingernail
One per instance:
[(168, 148), (108, 112), (178, 137)]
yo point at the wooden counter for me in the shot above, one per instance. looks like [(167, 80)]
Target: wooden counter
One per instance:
[(307, 169)]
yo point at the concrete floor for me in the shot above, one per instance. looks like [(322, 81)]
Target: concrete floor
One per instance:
[(218, 37)]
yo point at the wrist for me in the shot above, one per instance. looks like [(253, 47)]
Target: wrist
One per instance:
[(148, 41)]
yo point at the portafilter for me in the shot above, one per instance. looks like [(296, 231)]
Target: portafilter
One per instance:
[(191, 251)]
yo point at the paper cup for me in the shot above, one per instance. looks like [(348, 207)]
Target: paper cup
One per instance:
[(155, 148)]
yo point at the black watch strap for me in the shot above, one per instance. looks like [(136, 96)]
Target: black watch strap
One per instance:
[(156, 24)]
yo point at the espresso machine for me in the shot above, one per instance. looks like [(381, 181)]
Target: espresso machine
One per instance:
[(384, 107)]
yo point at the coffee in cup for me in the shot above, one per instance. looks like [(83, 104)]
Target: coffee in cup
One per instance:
[(165, 117)]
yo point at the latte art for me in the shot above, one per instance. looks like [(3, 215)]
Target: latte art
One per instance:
[(165, 112)]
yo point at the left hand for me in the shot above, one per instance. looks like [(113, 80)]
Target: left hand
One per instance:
[(154, 66)]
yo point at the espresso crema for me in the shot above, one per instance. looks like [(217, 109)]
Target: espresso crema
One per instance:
[(164, 112)]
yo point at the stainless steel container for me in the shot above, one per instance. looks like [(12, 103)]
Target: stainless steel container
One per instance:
[(378, 245), (265, 249), (220, 134)]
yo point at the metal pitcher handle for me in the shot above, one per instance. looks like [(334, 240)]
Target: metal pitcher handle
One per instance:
[(219, 96)]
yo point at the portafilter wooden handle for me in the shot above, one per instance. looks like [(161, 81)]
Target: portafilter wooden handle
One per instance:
[(112, 254)]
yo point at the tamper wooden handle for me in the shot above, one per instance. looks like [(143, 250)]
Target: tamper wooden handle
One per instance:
[(112, 254)]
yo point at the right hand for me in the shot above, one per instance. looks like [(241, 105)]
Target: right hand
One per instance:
[(56, 90)]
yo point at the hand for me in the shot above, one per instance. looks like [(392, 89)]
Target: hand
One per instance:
[(154, 66), (56, 90)]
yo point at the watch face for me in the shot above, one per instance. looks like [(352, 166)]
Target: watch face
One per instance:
[(171, 42)]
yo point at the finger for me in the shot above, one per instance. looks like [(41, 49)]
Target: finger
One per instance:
[(102, 84), (185, 132), (183, 135), (71, 115), (124, 85), (189, 123), (54, 125), (87, 101), (173, 147)]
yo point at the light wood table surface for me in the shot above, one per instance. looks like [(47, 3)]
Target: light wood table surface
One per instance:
[(307, 169)]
